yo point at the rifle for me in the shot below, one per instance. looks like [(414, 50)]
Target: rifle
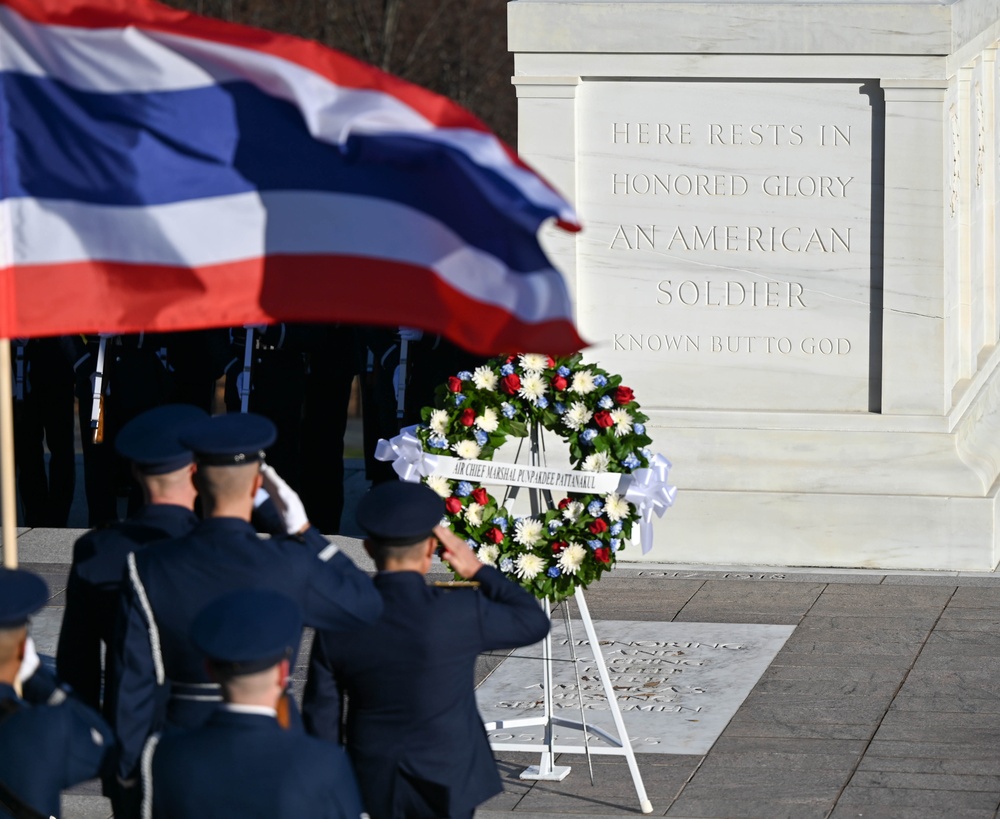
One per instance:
[(243, 382), (97, 407)]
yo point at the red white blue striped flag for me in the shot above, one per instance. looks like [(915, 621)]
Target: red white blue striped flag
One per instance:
[(164, 171)]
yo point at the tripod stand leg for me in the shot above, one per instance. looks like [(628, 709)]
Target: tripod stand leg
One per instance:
[(545, 769)]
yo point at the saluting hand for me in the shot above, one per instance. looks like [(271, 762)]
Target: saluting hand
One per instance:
[(457, 552)]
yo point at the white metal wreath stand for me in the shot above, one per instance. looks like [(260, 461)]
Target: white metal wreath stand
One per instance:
[(621, 745)]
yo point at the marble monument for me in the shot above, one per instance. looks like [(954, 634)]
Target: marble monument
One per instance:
[(789, 252)]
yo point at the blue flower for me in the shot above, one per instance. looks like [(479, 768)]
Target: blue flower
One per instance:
[(631, 462), (615, 543), (463, 489), (554, 525), (438, 441), (564, 371), (644, 451), (559, 407), (594, 544), (507, 410), (639, 429), (553, 571), (481, 437), (507, 369), (595, 508), (465, 375), (588, 435), (459, 398), (472, 544), (616, 528), (501, 523), (542, 402), (507, 565), (600, 381), (605, 402)]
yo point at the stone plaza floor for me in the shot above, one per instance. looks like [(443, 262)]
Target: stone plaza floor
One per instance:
[(884, 701)]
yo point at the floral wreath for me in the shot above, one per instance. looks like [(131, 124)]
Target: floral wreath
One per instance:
[(575, 543)]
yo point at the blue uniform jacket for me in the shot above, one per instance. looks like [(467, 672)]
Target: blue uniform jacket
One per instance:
[(414, 733), (50, 745), (170, 582), (94, 588), (243, 766)]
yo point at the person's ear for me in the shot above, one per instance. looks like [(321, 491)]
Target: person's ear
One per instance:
[(258, 482)]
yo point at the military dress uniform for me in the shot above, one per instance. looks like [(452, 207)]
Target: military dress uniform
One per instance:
[(48, 739), (413, 730), (241, 763), (161, 677), (150, 441)]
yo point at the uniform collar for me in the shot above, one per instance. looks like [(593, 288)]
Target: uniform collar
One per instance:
[(159, 511), (7, 692), (226, 525)]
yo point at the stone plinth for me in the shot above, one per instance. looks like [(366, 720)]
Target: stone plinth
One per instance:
[(789, 249)]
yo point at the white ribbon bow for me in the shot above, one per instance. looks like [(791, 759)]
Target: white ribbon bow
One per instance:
[(649, 491), (407, 455)]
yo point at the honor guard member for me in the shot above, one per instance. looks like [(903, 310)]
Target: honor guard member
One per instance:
[(241, 763), (48, 739), (413, 730), (164, 468), (161, 678)]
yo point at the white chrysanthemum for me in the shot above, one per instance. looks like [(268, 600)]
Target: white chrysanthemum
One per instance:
[(439, 421), (467, 449), (577, 415), (623, 421), (535, 362), (596, 462), (528, 565), (571, 558), (488, 554), (616, 507), (484, 378), (474, 513), (533, 387), (573, 510), (488, 421), (527, 531), (440, 484), (583, 382)]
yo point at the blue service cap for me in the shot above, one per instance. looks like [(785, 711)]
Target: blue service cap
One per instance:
[(248, 630), (230, 440), (399, 513), (151, 440), (22, 593)]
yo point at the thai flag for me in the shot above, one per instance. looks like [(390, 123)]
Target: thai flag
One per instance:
[(163, 171)]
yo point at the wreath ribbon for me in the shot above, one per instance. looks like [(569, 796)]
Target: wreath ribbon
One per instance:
[(407, 454), (649, 491)]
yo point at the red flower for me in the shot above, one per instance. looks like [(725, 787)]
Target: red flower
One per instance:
[(510, 384), (479, 496), (603, 554), (623, 395), (468, 417), (454, 384), (603, 419), (564, 503), (559, 383), (550, 362), (453, 505), (510, 358), (494, 535), (558, 546), (598, 526)]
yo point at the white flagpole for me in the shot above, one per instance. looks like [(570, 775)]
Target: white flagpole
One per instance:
[(8, 498)]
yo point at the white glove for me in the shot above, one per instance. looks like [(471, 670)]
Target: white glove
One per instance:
[(288, 503), (410, 334), (30, 663)]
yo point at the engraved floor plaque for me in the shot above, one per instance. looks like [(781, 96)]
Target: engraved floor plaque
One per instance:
[(678, 684)]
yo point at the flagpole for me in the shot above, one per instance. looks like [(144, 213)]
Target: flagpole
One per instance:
[(8, 498)]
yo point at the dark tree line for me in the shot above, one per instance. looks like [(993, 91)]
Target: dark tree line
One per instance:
[(455, 47)]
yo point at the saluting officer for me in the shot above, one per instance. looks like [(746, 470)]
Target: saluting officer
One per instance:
[(414, 733), (171, 581), (163, 467), (48, 739), (241, 763)]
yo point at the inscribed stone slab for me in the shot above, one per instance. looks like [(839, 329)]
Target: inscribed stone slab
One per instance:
[(678, 684)]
